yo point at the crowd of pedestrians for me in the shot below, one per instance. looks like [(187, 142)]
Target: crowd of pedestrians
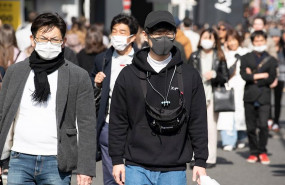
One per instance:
[(140, 99)]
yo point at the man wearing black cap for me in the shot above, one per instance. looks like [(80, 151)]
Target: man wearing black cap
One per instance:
[(158, 113)]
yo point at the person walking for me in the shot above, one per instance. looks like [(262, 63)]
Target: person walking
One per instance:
[(210, 61), (46, 103), (106, 69), (279, 39), (93, 46), (258, 69), (259, 24), (232, 124), (9, 51), (150, 124)]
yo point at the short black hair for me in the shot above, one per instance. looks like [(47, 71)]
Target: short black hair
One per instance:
[(258, 33), (261, 18), (50, 21), (127, 20), (187, 22), (161, 25)]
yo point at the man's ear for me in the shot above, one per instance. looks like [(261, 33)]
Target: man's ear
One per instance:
[(145, 37), (64, 41), (133, 38), (32, 41)]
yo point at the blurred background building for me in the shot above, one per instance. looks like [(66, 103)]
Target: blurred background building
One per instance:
[(102, 11)]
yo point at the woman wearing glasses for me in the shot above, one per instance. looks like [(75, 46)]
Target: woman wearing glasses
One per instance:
[(222, 32)]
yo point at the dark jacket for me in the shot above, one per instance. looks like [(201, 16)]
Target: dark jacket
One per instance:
[(219, 66), (103, 62), (86, 60), (70, 55), (130, 136), (2, 73), (259, 91)]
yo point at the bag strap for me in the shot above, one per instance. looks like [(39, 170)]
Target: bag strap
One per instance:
[(179, 77), (232, 69), (264, 61), (17, 56)]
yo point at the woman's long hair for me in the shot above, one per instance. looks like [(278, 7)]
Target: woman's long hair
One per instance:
[(94, 40), (217, 46), (7, 44)]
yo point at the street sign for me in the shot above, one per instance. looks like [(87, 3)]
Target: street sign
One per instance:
[(10, 12)]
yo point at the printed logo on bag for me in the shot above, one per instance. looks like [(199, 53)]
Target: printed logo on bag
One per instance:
[(173, 88)]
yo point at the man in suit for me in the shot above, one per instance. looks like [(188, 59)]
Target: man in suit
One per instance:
[(41, 100), (258, 69), (106, 69)]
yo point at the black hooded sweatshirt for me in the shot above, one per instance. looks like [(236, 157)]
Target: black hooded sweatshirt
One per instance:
[(130, 136)]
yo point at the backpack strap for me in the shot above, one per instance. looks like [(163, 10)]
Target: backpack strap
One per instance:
[(143, 83), (180, 79)]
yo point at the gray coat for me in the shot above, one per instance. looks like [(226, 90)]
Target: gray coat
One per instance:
[(74, 103)]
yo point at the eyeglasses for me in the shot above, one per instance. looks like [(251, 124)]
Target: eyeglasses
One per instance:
[(46, 40), (159, 35), (222, 29)]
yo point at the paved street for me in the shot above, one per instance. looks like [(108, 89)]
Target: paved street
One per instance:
[(232, 169)]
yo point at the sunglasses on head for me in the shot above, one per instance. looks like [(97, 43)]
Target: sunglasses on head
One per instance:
[(222, 29)]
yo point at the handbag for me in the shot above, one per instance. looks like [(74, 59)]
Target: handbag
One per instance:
[(224, 100)]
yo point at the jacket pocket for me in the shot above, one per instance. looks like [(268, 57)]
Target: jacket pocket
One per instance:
[(71, 131)]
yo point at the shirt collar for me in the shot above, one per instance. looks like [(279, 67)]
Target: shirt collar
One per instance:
[(130, 54)]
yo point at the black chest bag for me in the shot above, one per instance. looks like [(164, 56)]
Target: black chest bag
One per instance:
[(163, 120)]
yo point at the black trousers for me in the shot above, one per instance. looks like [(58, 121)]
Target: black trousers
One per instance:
[(257, 129), (278, 91)]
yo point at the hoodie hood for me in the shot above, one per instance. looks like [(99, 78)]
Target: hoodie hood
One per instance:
[(140, 60)]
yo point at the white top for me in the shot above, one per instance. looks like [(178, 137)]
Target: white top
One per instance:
[(21, 56), (234, 120), (193, 37), (158, 65), (206, 66), (23, 37), (118, 63), (35, 129)]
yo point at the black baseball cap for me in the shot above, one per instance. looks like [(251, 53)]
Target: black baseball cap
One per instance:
[(159, 16)]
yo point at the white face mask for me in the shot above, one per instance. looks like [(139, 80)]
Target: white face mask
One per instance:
[(120, 42), (207, 44), (48, 51), (260, 49)]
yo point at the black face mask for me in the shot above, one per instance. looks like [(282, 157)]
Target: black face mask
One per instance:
[(162, 45)]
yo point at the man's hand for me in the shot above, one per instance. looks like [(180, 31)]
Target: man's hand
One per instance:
[(84, 180), (99, 79), (119, 173), (197, 173), (274, 83), (248, 70)]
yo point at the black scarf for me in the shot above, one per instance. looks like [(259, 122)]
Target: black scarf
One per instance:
[(42, 68)]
